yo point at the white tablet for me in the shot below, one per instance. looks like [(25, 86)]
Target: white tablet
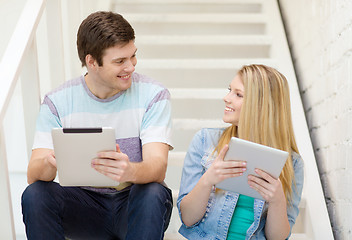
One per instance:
[(268, 159), (74, 150)]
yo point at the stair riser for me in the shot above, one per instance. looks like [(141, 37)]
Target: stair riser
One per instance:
[(149, 28), (190, 78), (198, 108), (201, 51), (188, 8)]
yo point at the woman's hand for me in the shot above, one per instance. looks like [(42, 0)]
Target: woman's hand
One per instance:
[(267, 186), (277, 225), (221, 170)]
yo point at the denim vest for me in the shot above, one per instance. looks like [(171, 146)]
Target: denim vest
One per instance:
[(221, 204)]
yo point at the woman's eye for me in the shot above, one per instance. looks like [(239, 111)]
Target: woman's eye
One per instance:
[(239, 95), (229, 89)]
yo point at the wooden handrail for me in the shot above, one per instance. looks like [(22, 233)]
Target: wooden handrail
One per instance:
[(18, 46), (10, 67)]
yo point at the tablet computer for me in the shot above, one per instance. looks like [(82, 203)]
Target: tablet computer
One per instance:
[(268, 159), (74, 150)]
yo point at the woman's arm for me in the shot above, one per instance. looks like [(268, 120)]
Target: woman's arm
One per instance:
[(194, 204), (277, 225)]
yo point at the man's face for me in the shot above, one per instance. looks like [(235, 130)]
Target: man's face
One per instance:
[(118, 65)]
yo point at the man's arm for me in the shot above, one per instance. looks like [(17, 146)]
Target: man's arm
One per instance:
[(154, 163), (117, 166), (42, 165)]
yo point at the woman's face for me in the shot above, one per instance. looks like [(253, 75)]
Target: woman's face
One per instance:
[(233, 101)]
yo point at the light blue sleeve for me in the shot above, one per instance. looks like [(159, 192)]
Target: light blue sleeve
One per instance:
[(293, 210), (192, 168), (48, 119), (156, 122)]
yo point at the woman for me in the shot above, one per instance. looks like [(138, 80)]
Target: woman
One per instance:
[(258, 109)]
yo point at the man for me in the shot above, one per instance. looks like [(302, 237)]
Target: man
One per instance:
[(111, 94)]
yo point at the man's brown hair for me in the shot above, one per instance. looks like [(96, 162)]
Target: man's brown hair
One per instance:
[(102, 30)]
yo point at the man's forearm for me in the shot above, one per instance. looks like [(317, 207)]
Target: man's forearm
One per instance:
[(39, 169), (147, 172)]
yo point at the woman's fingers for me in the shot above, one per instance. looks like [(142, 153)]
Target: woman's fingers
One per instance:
[(222, 153), (265, 175), (267, 186), (234, 164)]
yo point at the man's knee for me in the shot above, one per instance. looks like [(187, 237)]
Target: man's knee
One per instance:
[(36, 194), (151, 191)]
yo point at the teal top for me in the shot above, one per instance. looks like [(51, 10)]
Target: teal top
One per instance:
[(242, 218)]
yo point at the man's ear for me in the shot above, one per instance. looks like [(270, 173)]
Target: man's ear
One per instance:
[(90, 62)]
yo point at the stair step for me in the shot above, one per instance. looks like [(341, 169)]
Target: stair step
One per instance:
[(203, 93), (191, 123), (173, 236), (187, 2), (200, 63), (201, 51), (198, 28), (176, 159), (181, 78), (299, 236), (187, 7), (204, 40), (224, 18)]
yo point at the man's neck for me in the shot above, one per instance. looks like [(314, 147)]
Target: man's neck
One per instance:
[(98, 90)]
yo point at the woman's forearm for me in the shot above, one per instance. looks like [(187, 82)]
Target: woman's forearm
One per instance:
[(193, 205), (277, 225)]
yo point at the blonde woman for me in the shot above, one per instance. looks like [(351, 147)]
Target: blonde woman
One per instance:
[(258, 109)]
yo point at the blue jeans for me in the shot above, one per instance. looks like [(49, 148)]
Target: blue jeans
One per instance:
[(51, 211)]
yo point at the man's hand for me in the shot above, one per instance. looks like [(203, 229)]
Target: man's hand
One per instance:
[(115, 165), (42, 165), (50, 158)]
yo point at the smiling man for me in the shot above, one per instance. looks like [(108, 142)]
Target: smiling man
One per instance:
[(110, 94)]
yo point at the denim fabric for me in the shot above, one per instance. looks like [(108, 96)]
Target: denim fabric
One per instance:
[(54, 212), (221, 204)]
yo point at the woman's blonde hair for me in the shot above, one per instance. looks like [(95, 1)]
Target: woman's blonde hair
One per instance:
[(265, 116)]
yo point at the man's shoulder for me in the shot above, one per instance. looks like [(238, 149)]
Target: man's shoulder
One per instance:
[(145, 80), (67, 85)]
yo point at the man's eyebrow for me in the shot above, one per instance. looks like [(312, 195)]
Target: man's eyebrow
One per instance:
[(116, 59)]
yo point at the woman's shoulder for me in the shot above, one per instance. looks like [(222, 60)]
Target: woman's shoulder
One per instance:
[(297, 161), (207, 138), (210, 133)]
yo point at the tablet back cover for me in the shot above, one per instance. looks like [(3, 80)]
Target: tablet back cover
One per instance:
[(268, 159), (74, 152)]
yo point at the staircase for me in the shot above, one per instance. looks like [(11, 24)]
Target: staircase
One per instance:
[(194, 47)]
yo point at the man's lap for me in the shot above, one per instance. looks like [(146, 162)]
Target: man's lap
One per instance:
[(91, 213)]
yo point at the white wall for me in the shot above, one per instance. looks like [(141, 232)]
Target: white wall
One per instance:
[(320, 37)]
